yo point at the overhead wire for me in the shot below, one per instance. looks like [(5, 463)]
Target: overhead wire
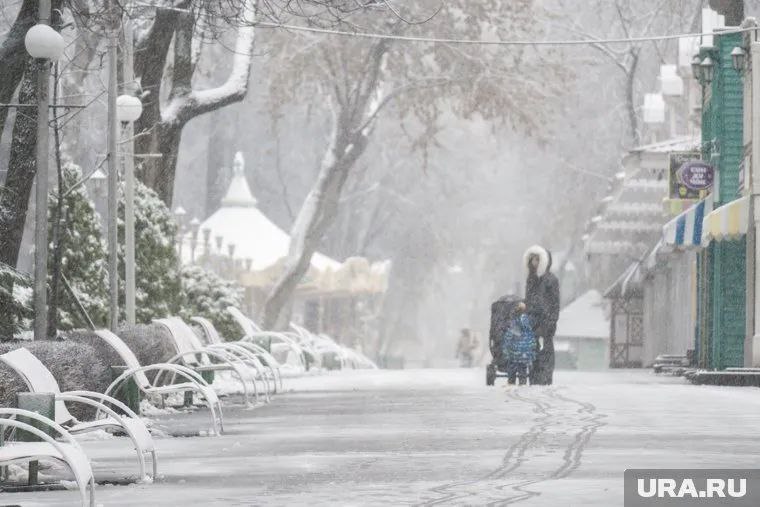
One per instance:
[(484, 42)]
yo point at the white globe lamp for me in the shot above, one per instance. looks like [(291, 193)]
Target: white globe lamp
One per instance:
[(41, 41), (128, 108)]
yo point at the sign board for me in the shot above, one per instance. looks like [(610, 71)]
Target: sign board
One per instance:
[(689, 176)]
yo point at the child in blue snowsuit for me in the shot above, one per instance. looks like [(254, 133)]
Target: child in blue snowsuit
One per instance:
[(519, 346)]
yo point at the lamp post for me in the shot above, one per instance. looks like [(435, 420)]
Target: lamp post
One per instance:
[(219, 261), (45, 44), (195, 225), (113, 171), (180, 214), (708, 70), (206, 245), (128, 110)]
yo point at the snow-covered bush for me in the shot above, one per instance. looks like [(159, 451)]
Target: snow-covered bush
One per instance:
[(157, 279), (15, 290), (76, 366), (84, 255), (151, 343), (207, 295)]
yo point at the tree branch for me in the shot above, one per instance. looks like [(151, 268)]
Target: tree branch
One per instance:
[(183, 108)]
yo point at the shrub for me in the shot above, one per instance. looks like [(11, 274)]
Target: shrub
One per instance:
[(75, 366), (207, 295)]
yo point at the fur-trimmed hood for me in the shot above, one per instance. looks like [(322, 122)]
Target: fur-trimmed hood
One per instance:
[(544, 259)]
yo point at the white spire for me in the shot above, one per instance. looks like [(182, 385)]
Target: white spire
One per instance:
[(239, 193)]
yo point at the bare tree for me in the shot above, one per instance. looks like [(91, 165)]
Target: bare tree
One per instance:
[(170, 102), (632, 20), (424, 82)]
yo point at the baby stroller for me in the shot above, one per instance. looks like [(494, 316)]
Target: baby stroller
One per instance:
[(501, 314)]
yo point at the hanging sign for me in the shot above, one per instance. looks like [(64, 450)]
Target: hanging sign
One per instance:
[(690, 177)]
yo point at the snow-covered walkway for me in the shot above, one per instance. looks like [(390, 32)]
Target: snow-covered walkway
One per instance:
[(440, 437)]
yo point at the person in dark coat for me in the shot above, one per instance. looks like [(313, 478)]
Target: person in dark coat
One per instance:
[(542, 300)]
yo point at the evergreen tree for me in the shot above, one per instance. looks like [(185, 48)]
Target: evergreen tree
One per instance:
[(157, 277), (84, 256), (207, 295), (15, 295)]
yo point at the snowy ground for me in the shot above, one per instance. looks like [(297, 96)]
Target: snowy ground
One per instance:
[(439, 437)]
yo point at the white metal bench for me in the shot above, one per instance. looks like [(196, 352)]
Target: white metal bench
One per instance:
[(39, 380), (252, 333), (192, 383), (251, 353), (68, 451), (192, 353)]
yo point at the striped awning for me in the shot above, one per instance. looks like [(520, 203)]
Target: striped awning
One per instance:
[(685, 230), (728, 222)]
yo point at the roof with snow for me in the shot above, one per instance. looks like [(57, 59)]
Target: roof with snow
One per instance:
[(630, 220), (584, 318), (262, 246), (241, 223)]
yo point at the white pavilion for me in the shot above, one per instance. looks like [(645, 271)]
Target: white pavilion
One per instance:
[(239, 242)]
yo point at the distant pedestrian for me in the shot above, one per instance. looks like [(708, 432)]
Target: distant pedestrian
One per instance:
[(466, 347), (519, 346), (542, 300)]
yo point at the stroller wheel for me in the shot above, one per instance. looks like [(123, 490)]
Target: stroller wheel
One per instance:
[(490, 375)]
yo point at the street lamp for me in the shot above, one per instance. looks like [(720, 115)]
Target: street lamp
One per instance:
[(43, 43), (708, 70), (179, 214), (128, 110), (195, 226), (696, 67), (738, 56)]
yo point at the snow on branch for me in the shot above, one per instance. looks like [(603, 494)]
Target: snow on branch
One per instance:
[(184, 107)]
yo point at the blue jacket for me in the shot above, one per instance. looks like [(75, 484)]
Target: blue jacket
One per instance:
[(519, 341)]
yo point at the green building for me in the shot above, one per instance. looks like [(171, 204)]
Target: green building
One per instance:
[(721, 265)]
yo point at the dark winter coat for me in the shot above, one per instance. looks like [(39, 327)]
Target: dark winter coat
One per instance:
[(542, 293)]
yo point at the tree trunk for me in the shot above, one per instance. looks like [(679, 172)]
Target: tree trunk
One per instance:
[(14, 196), (22, 168), (316, 215), (158, 174), (630, 99), (13, 56), (159, 130)]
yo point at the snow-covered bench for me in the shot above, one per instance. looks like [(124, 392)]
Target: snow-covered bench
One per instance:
[(254, 334), (192, 353), (252, 354), (193, 382), (39, 380), (68, 450)]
